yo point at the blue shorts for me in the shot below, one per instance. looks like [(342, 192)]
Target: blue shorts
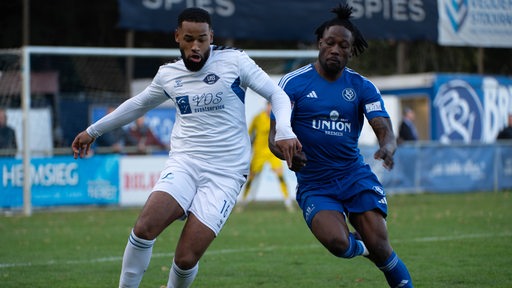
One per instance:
[(357, 193)]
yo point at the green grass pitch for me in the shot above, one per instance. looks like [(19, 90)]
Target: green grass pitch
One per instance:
[(446, 240)]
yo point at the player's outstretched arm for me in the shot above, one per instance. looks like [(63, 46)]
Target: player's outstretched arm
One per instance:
[(81, 144), (386, 138)]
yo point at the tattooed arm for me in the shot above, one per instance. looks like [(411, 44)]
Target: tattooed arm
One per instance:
[(387, 142)]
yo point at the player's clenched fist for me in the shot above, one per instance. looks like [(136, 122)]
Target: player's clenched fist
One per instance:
[(299, 160), (288, 148)]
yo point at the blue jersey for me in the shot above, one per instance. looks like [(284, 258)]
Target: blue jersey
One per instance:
[(328, 117)]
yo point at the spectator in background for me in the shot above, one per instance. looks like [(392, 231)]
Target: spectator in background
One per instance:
[(407, 131), (144, 138), (506, 133), (115, 140), (7, 135)]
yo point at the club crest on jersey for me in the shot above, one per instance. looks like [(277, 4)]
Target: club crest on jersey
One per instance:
[(210, 79), (348, 94), (183, 104), (178, 83)]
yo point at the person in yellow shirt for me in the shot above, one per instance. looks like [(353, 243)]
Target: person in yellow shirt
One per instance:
[(261, 155)]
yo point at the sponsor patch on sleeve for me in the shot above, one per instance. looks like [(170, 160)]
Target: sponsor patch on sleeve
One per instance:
[(374, 106)]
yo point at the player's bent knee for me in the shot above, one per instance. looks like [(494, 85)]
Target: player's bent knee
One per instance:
[(185, 262), (141, 233), (144, 231), (379, 254), (337, 246), (349, 248)]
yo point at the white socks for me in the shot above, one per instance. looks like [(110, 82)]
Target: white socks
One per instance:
[(135, 261), (179, 278)]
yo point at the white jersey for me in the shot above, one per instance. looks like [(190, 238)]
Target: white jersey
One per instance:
[(210, 118)]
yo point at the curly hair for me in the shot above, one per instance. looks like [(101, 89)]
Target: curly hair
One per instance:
[(194, 14), (343, 14)]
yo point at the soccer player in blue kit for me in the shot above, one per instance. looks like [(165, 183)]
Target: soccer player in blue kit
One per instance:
[(329, 104)]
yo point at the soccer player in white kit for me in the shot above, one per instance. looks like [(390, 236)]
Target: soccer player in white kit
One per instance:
[(210, 147)]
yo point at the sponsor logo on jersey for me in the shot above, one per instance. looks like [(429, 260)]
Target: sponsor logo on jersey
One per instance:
[(312, 94), (383, 201), (334, 115), (348, 94), (183, 104), (207, 102), (374, 106), (334, 125), (211, 78), (168, 176), (310, 210), (200, 103)]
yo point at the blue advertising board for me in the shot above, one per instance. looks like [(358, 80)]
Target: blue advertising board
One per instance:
[(453, 169), (436, 168), (287, 20), (445, 168), (61, 180), (447, 22), (504, 166), (470, 108), (464, 108)]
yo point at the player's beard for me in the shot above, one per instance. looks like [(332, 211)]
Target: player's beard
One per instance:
[(192, 65), (332, 68)]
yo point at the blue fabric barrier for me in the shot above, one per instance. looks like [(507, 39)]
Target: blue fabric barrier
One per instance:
[(421, 167)]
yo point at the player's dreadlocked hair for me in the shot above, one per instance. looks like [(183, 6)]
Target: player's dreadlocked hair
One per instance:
[(194, 14), (343, 13)]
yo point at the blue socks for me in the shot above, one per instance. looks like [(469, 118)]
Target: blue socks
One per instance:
[(396, 273), (393, 268), (355, 247)]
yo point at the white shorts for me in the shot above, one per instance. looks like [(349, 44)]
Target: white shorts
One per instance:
[(210, 193)]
